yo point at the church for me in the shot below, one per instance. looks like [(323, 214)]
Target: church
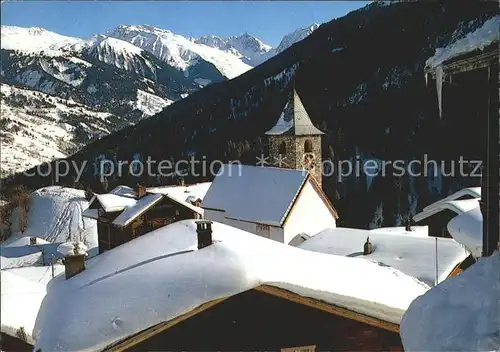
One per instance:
[(287, 203)]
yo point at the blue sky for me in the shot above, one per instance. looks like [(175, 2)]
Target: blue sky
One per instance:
[(267, 20)]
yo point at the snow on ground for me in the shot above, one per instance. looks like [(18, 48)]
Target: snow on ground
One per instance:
[(55, 215), (20, 303), (460, 314), (40, 127), (161, 275), (483, 36), (34, 40), (150, 104), (467, 229), (413, 255), (202, 81)]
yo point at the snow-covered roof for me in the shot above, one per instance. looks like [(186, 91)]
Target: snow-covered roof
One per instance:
[(413, 255), (20, 260), (294, 120), (20, 303), (21, 256), (467, 229), (471, 192), (124, 191), (37, 274), (162, 275), (112, 202), (462, 314), (23, 241), (401, 230), (132, 212), (479, 39), (256, 194), (91, 213), (183, 193), (457, 206)]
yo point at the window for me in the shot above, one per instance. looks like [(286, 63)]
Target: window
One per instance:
[(282, 148), (308, 146)]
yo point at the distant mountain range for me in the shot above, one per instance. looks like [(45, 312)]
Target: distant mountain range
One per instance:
[(130, 73)]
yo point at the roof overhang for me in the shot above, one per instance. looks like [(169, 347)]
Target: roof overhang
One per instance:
[(332, 309), (470, 61)]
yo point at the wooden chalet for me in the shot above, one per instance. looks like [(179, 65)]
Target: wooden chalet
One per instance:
[(267, 319), (18, 343), (125, 214)]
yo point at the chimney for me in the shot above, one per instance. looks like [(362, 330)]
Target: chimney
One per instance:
[(32, 241), (140, 191), (367, 248), (204, 231), (74, 261)]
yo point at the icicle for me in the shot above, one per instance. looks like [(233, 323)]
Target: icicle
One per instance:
[(439, 87), (426, 79)]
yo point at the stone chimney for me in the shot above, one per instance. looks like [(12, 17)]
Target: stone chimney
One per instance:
[(204, 231), (367, 248), (140, 191), (74, 258), (32, 241)]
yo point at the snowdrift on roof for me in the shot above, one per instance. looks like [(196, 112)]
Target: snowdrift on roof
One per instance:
[(161, 275), (461, 314)]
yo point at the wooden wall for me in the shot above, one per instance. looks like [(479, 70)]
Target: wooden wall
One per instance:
[(161, 214), (11, 344), (258, 321)]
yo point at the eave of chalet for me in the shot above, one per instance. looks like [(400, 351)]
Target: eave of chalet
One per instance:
[(274, 291)]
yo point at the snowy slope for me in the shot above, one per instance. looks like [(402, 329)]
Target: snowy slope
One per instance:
[(55, 215), (37, 127), (179, 51), (462, 314), (158, 287), (35, 40), (294, 37)]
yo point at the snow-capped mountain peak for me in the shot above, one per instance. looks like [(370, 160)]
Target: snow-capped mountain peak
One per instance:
[(246, 46), (296, 36), (177, 50), (34, 40)]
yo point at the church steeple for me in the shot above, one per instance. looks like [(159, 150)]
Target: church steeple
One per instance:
[(295, 140), (294, 120)]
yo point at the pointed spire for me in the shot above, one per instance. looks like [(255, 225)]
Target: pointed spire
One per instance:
[(294, 119)]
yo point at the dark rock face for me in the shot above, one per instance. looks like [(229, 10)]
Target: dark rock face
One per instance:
[(361, 80)]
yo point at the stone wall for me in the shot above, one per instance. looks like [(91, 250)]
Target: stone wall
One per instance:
[(294, 153)]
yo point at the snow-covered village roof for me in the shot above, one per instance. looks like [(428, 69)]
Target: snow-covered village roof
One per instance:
[(457, 206), (461, 314), (122, 198), (263, 195), (479, 39), (20, 303), (467, 229), (183, 193), (294, 120), (413, 255), (161, 275), (133, 211)]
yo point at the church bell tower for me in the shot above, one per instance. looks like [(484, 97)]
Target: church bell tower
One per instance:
[(294, 142)]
